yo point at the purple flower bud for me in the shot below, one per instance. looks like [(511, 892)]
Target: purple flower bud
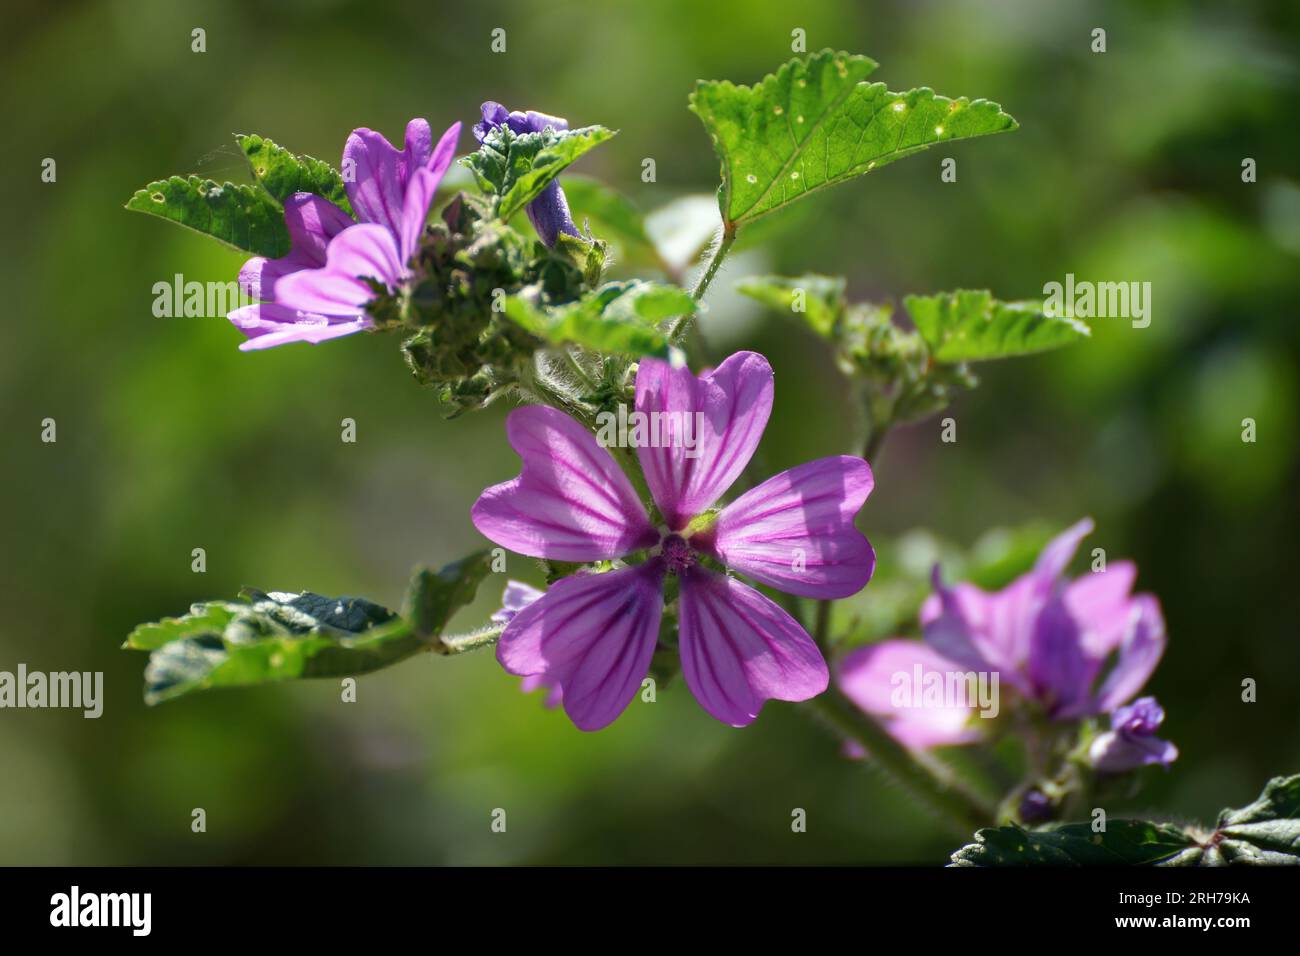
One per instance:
[(1131, 741), (549, 212), (1035, 807)]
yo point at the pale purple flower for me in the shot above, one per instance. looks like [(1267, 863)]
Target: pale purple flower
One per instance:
[(1048, 638), (514, 599), (1131, 741), (593, 634), (549, 212), (317, 291)]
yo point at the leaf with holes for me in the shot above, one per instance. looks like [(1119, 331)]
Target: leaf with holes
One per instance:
[(281, 173), (817, 122), (244, 217)]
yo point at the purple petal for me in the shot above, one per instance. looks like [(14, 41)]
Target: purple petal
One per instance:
[(494, 114), (442, 155), (269, 324), (591, 636), (378, 185), (1140, 651), (417, 148), (1100, 603), (550, 216), (1131, 742), (415, 210), (312, 222), (362, 251), (514, 599), (870, 677), (954, 622), (795, 531), (739, 649), (571, 501), (1060, 671), (1056, 557), (734, 400)]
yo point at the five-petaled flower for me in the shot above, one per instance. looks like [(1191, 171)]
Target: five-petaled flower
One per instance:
[(1048, 638), (549, 212), (319, 290), (593, 633)]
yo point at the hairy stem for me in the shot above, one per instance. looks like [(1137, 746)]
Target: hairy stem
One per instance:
[(930, 781)]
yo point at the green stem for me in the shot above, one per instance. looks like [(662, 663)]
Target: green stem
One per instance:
[(719, 252), (715, 262), (473, 640), (930, 781)]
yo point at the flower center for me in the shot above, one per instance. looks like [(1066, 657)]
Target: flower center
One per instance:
[(677, 554)]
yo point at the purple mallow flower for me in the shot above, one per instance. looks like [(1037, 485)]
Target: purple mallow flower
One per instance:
[(549, 212), (317, 291), (1131, 741), (1048, 638), (592, 635)]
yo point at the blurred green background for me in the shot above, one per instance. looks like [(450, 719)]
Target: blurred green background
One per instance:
[(1126, 167)]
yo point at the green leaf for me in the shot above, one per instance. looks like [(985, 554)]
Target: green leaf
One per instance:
[(264, 637), (434, 596), (243, 216), (516, 168), (819, 300), (1266, 833), (1124, 843), (281, 173), (972, 326), (817, 122), (1270, 825), (618, 317)]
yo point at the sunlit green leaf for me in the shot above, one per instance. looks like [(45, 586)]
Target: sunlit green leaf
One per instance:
[(817, 122), (818, 300), (281, 173), (972, 326), (244, 217), (516, 168), (618, 317)]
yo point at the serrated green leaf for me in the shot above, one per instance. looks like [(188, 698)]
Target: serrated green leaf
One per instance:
[(818, 300), (1123, 843), (516, 168), (816, 122), (244, 217), (265, 637), (618, 317), (282, 173), (972, 326), (1271, 824)]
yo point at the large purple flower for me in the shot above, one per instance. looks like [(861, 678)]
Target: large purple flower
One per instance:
[(593, 633), (549, 212), (1048, 638), (318, 291)]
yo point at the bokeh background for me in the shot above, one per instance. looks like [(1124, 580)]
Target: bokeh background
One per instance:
[(1127, 166)]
